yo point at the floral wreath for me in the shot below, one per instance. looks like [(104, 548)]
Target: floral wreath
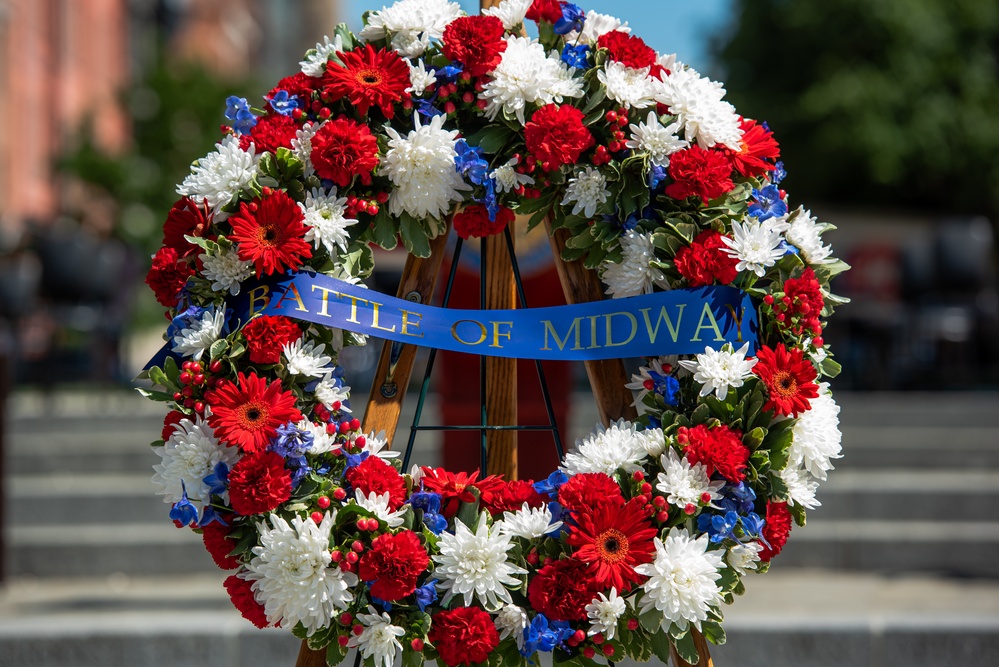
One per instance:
[(429, 118)]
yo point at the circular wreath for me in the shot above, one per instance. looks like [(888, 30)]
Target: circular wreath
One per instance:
[(427, 118)]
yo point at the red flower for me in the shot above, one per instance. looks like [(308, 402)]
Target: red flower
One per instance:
[(172, 417), (271, 132), (374, 475), (473, 221), (269, 232), (544, 10), (219, 546), (343, 149), (758, 148), (627, 49), (613, 540), (703, 262), (393, 563), (186, 218), (790, 379), (368, 78), (776, 530), (805, 303), (258, 483), (167, 276), (248, 415), (512, 496), (561, 590), (555, 135), (243, 600), (456, 488), (719, 448), (476, 42), (695, 171), (589, 490), (266, 335), (463, 636), (300, 85)]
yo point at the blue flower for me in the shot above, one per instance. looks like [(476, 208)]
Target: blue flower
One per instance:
[(208, 515), (768, 203), (426, 107), (183, 511), (469, 162), (448, 73), (435, 522), (218, 481), (627, 224), (354, 460), (489, 200), (426, 594), (237, 109), (752, 524), (778, 174), (551, 485), (428, 501), (544, 635), (384, 604), (572, 19), (283, 103), (719, 527), (738, 498), (292, 443), (657, 175), (576, 56), (666, 386)]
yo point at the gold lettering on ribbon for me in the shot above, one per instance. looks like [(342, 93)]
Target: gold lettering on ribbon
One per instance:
[(712, 324), (353, 306), (259, 294), (573, 329), (297, 298), (738, 320), (326, 298), (374, 317), (593, 332), (674, 330), (634, 328), (497, 333), (406, 323), (482, 332)]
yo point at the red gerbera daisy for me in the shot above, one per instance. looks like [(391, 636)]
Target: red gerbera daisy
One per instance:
[(612, 541), (776, 530), (167, 276), (629, 50), (186, 218), (704, 261), (758, 148), (343, 149), (589, 490), (267, 335), (373, 475), (269, 232), (393, 564), (368, 78), (789, 377), (248, 414), (696, 171), (456, 488), (258, 483), (719, 448), (476, 42), (242, 599), (463, 636)]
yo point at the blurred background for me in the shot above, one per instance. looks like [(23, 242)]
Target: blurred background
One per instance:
[(887, 112)]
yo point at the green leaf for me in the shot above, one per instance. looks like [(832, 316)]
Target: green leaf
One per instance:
[(411, 658), (218, 348), (754, 438), (157, 376), (345, 35), (779, 449), (713, 632), (660, 646), (492, 138), (830, 367), (414, 237), (335, 654), (651, 620), (798, 514), (468, 513), (687, 649)]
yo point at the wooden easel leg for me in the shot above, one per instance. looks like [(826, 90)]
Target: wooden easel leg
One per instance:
[(501, 373), (702, 651)]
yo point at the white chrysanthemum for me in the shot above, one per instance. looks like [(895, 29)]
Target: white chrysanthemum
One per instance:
[(315, 63), (421, 166), (588, 188), (756, 246), (301, 145), (416, 472), (528, 75), (219, 176), (189, 455), (528, 522), (322, 442), (816, 436), (682, 579), (379, 639), (720, 370), (475, 565), (635, 274), (685, 484), (226, 270), (805, 233), (653, 138), (420, 78), (507, 179), (412, 24), (379, 506), (604, 613), (698, 104), (628, 86), (376, 445), (510, 12), (195, 339), (291, 573), (620, 445), (511, 621), (324, 216), (801, 488), (331, 390), (306, 358), (594, 27), (744, 556)]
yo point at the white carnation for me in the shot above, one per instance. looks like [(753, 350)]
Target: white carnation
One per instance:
[(315, 63)]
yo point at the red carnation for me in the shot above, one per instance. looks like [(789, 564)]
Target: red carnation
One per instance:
[(393, 563), (343, 149), (266, 335), (476, 42), (757, 151), (719, 448), (456, 488), (776, 530), (167, 276), (555, 135), (589, 490), (544, 10), (696, 171), (218, 544), (271, 132), (789, 377), (242, 599), (300, 85), (367, 78), (562, 589), (186, 218), (373, 475), (173, 417), (463, 636), (803, 305), (473, 221), (613, 540), (248, 414), (512, 496), (269, 232), (704, 261), (627, 49), (258, 483)]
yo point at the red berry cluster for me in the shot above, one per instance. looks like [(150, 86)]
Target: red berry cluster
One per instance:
[(797, 309), (656, 506), (196, 381), (617, 121)]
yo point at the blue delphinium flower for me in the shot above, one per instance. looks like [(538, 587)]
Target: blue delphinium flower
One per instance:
[(778, 174), (665, 385), (752, 524), (237, 110), (572, 19), (210, 514), (544, 635), (448, 73), (426, 107), (551, 485), (489, 200), (719, 527), (183, 511), (292, 442), (469, 162), (738, 498), (218, 481), (430, 503), (576, 56), (426, 594), (283, 103), (768, 203), (657, 175)]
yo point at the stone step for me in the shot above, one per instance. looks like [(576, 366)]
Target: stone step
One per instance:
[(920, 447)]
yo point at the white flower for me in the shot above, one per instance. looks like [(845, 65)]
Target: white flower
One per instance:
[(421, 166), (375, 444), (324, 215), (219, 176), (511, 621), (588, 188), (698, 104), (635, 274), (801, 487), (194, 339), (628, 86), (379, 506), (528, 75), (743, 557), (510, 12), (322, 442), (412, 24), (416, 472), (595, 26), (507, 178), (658, 141), (816, 436), (420, 78), (620, 445), (647, 379), (305, 358), (685, 484), (805, 235), (475, 565), (301, 145), (226, 270), (379, 638), (756, 246), (528, 522), (189, 455), (315, 63), (604, 613), (720, 370), (682, 579), (331, 390), (291, 573)]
